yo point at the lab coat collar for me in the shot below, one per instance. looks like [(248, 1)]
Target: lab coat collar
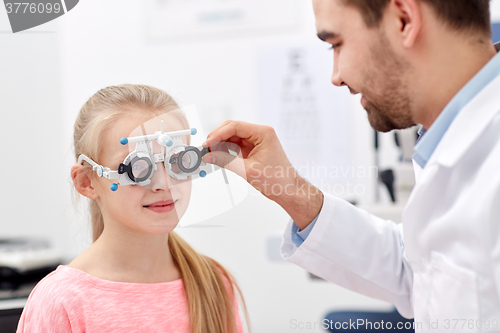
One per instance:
[(431, 138), (469, 124)]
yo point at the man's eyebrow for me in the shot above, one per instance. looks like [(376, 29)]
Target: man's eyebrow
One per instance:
[(325, 35)]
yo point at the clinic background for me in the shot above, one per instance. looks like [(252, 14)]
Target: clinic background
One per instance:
[(239, 61)]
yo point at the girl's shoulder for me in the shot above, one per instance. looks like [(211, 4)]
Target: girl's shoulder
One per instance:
[(55, 282), (45, 307), (55, 290)]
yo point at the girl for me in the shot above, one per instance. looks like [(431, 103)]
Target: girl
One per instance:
[(138, 275)]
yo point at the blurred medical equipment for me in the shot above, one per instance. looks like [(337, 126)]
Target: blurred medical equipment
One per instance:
[(23, 262), (400, 177), (9, 316)]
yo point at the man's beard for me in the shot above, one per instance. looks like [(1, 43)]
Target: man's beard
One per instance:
[(390, 108)]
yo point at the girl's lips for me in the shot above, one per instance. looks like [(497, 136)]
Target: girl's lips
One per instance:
[(161, 206), (160, 203)]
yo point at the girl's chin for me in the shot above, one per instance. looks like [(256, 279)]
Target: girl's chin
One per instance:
[(162, 228)]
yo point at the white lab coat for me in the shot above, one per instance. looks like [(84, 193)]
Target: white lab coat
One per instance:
[(447, 264)]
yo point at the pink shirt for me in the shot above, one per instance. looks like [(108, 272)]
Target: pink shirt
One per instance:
[(70, 300)]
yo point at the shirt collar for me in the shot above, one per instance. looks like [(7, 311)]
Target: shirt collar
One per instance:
[(427, 143)]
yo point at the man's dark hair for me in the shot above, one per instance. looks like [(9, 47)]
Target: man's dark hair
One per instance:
[(461, 15)]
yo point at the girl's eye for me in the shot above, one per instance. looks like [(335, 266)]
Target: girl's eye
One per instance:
[(141, 165)]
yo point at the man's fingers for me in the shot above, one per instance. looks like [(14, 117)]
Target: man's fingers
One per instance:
[(222, 153), (226, 147), (237, 129), (227, 161)]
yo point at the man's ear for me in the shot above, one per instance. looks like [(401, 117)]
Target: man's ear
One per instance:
[(408, 15), (82, 180)]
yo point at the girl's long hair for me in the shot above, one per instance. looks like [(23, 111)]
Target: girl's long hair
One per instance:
[(211, 291)]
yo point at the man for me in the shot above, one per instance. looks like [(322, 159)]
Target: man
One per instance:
[(428, 62)]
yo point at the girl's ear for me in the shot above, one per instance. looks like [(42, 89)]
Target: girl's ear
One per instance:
[(82, 181)]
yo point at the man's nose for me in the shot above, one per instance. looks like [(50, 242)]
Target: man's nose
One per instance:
[(336, 77)]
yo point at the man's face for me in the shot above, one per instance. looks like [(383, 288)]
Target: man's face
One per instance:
[(366, 63)]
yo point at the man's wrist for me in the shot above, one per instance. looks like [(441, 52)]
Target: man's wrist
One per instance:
[(303, 203)]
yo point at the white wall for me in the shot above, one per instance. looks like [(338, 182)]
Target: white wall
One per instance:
[(50, 71), (495, 10), (34, 186)]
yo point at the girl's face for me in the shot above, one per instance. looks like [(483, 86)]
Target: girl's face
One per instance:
[(156, 209)]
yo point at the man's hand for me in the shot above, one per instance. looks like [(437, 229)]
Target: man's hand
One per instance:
[(263, 163)]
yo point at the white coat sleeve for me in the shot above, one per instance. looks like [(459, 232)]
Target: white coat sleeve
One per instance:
[(356, 250), (493, 209)]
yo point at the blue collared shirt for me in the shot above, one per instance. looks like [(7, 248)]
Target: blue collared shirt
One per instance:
[(427, 143), (299, 236)]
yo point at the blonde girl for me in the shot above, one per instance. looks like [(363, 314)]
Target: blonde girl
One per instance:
[(138, 275)]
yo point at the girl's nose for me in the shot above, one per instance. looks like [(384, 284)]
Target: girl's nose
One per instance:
[(161, 181)]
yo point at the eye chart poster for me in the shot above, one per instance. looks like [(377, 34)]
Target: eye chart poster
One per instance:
[(311, 116)]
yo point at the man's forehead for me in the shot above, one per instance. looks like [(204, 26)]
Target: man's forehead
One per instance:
[(333, 17)]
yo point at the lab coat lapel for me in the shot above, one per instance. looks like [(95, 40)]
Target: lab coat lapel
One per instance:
[(462, 133), (468, 125)]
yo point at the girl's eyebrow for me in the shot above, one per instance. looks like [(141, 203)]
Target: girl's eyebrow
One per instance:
[(121, 156)]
